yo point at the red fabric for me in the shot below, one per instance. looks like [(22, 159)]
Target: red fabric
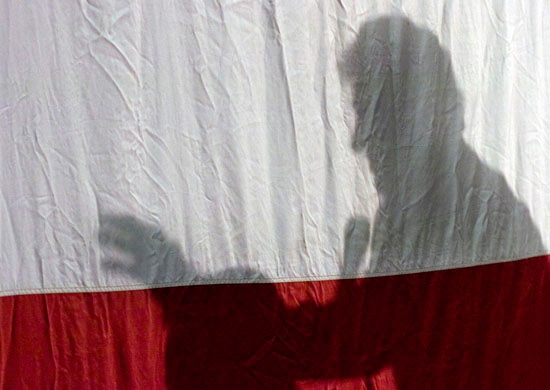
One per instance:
[(474, 328)]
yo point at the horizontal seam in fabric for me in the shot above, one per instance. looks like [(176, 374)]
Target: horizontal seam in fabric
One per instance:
[(297, 279)]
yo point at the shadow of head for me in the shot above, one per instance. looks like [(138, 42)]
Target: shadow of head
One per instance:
[(409, 124), (405, 98)]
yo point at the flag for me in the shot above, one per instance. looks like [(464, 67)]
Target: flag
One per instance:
[(330, 195)]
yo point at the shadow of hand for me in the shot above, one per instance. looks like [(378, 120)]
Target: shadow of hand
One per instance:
[(141, 250)]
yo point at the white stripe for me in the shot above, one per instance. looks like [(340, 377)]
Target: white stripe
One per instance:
[(163, 144)]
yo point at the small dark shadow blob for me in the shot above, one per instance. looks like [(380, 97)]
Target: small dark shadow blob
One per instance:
[(357, 236)]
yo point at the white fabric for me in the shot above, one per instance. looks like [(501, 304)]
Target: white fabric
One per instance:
[(155, 142)]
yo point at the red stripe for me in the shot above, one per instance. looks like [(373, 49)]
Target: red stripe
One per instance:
[(474, 328)]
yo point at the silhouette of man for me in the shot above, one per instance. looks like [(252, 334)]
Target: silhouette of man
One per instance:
[(439, 204), (436, 198)]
